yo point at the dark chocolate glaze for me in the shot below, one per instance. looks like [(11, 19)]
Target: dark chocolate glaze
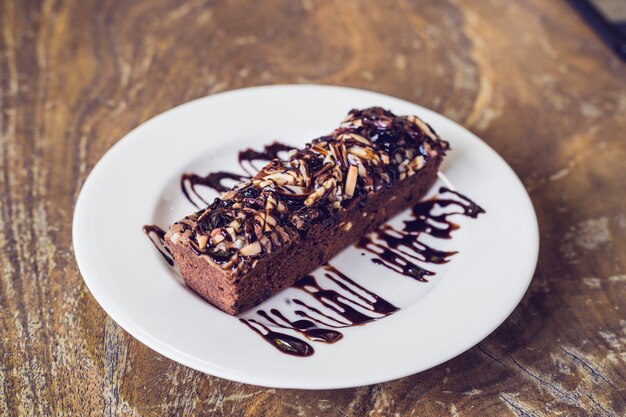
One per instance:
[(268, 153), (214, 180), (157, 237), (398, 249)]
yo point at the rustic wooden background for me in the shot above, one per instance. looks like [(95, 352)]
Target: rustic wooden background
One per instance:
[(527, 76)]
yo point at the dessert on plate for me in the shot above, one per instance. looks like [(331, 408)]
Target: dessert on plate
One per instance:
[(295, 214)]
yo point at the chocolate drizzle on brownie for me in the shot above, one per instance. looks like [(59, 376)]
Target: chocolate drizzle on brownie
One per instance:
[(372, 148)]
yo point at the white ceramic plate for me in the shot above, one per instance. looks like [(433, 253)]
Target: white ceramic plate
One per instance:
[(137, 183)]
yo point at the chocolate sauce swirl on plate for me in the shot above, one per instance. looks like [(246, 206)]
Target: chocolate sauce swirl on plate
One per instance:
[(285, 343), (157, 237), (222, 181), (399, 249), (214, 180), (247, 157), (317, 326)]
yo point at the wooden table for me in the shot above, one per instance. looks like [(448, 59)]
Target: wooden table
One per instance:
[(527, 76)]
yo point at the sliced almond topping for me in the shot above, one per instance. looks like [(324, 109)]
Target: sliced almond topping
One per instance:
[(327, 185), (216, 239), (251, 250), (263, 183), (280, 178), (344, 153), (325, 167), (235, 224), (365, 153), (270, 220), (232, 233), (360, 138), (202, 241), (353, 173), (336, 152), (319, 149), (265, 243), (417, 163), (295, 189), (230, 194), (305, 174), (424, 127), (270, 202), (362, 170), (327, 172)]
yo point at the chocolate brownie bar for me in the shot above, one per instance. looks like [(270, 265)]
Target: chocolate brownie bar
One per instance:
[(297, 213)]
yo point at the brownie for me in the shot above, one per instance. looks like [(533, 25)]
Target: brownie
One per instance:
[(295, 214)]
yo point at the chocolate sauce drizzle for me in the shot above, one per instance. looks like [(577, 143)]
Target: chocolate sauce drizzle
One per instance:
[(352, 307), (285, 343), (342, 303), (222, 181), (214, 180), (268, 153), (396, 249), (157, 237), (305, 327)]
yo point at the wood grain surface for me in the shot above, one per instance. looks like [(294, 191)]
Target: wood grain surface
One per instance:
[(527, 76)]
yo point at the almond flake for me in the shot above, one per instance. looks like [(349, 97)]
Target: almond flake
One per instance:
[(353, 173), (202, 241), (251, 250)]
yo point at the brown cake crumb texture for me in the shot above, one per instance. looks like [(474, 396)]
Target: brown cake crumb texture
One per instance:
[(295, 214)]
